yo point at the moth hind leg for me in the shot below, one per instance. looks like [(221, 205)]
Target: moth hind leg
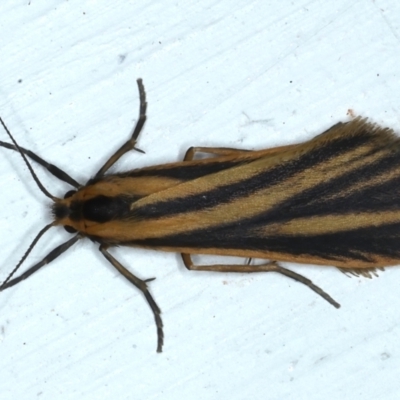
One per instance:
[(271, 266), (217, 151)]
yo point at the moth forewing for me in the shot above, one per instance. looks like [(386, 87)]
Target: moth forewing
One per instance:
[(331, 200)]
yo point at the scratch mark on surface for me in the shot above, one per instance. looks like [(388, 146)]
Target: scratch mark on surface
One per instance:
[(382, 14)]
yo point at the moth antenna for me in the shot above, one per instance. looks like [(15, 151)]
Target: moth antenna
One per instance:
[(30, 248), (36, 179)]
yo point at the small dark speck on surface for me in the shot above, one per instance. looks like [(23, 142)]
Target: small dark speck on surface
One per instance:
[(385, 356)]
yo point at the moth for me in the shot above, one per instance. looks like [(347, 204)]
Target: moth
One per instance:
[(332, 200)]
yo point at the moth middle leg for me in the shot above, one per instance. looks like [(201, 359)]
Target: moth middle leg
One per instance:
[(142, 286)]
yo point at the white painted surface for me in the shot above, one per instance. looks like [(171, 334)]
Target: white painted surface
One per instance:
[(247, 74)]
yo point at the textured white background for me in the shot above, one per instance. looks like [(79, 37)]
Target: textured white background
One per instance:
[(242, 73)]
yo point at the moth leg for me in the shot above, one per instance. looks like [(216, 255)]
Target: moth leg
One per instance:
[(271, 266), (130, 143), (217, 151), (142, 286), (229, 152), (47, 260), (57, 172)]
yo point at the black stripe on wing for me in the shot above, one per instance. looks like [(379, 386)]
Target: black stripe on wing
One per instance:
[(226, 193), (183, 171), (357, 244)]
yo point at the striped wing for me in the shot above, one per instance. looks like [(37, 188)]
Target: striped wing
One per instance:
[(333, 200)]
